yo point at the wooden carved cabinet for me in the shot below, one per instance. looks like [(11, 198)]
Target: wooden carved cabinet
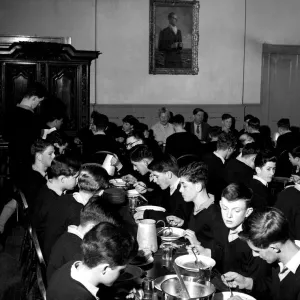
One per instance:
[(62, 69)]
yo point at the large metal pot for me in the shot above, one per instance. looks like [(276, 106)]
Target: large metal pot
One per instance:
[(203, 290)]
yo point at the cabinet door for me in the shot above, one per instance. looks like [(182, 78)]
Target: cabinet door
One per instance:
[(63, 83), (17, 78)]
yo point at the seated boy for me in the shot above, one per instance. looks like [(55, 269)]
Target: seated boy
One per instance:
[(164, 173), (265, 165), (67, 247), (230, 252), (61, 177), (106, 251), (91, 179), (267, 234), (204, 218)]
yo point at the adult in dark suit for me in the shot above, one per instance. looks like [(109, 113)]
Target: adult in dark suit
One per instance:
[(198, 127), (267, 234), (182, 142), (170, 42), (216, 163), (240, 169)]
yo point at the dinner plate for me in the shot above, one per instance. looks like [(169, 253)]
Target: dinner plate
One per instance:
[(150, 207), (187, 262), (227, 295), (158, 281), (176, 233)]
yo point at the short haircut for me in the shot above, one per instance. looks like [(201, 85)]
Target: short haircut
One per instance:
[(264, 157), (164, 110), (226, 117), (108, 243), (39, 146), (195, 172), (248, 117), (295, 152), (226, 140), (141, 152), (238, 191), (246, 138), (35, 90), (196, 110), (93, 213), (92, 178), (164, 164), (215, 131), (171, 14), (284, 123), (100, 121), (178, 119), (250, 149), (63, 165), (131, 120), (254, 123), (263, 228)]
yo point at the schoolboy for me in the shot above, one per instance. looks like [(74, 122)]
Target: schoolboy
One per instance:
[(106, 251)]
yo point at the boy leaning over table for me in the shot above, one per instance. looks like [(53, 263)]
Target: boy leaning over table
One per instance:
[(267, 234)]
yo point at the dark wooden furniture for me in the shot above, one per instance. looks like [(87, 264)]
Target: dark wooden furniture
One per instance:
[(64, 70)]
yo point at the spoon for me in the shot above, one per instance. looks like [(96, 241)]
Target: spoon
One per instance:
[(198, 262), (182, 285)]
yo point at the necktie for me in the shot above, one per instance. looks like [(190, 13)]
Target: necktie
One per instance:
[(198, 131)]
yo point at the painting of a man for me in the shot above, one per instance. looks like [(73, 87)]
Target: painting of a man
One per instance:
[(170, 43)]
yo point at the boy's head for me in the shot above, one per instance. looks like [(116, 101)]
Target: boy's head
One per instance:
[(106, 251), (249, 153), (35, 94), (283, 126), (235, 204), (246, 120), (140, 157), (99, 122), (266, 232), (164, 170), (227, 143), (294, 156), (214, 133), (92, 214), (253, 125), (265, 165), (198, 115), (178, 122), (92, 178), (193, 180), (245, 139), (43, 152), (65, 170), (135, 138), (129, 123), (227, 121)]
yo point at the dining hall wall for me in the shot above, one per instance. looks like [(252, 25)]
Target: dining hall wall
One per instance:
[(121, 78)]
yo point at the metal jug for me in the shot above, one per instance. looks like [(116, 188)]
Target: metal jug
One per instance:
[(146, 235)]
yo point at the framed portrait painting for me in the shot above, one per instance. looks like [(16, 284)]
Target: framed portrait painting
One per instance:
[(174, 36)]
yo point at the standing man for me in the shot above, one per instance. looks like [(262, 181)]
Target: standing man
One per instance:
[(198, 126), (170, 42), (24, 130)]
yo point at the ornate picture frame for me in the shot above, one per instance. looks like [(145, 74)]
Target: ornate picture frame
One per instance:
[(174, 37)]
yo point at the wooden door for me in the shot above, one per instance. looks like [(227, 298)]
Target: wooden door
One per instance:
[(280, 85)]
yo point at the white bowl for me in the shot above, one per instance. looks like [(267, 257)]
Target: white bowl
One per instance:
[(187, 262), (227, 295), (176, 234), (150, 207)]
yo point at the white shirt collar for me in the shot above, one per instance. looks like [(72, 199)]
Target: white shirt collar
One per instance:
[(25, 107), (75, 274), (174, 186), (173, 28), (291, 266), (234, 234), (79, 199), (74, 229), (218, 155), (260, 179)]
